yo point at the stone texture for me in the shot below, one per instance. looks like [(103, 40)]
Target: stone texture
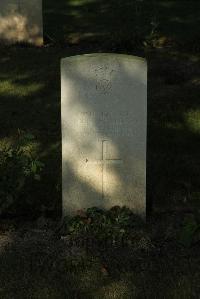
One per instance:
[(104, 119), (21, 21)]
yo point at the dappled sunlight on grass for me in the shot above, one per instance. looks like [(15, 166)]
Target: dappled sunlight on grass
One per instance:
[(102, 21), (10, 88), (6, 142), (166, 4), (80, 2), (75, 37), (174, 125), (32, 145), (6, 241), (50, 268), (120, 289), (19, 165), (196, 82), (192, 119), (183, 20), (30, 101)]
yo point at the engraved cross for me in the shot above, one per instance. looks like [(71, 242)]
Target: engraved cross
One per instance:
[(103, 162)]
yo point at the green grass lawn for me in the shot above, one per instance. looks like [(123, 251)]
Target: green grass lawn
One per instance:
[(30, 101)]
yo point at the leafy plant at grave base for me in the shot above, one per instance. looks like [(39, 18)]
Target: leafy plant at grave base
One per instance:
[(190, 231), (18, 164), (114, 225)]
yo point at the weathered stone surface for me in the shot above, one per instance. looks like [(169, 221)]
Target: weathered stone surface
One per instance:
[(21, 21), (104, 119)]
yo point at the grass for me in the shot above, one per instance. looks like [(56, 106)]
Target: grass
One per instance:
[(30, 101), (37, 264), (84, 20)]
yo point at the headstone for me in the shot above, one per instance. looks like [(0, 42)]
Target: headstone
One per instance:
[(21, 21), (104, 120)]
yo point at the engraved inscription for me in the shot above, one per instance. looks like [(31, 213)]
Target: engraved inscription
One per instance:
[(123, 116), (117, 124)]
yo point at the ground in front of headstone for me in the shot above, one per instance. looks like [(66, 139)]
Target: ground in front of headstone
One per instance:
[(37, 263)]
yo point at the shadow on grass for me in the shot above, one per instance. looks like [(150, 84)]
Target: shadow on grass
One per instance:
[(174, 131), (30, 101), (121, 23), (42, 267)]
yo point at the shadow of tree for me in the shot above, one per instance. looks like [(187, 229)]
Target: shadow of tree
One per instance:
[(121, 23), (173, 140), (30, 101), (112, 22), (35, 264)]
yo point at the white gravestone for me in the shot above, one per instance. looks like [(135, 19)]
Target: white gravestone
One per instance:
[(21, 21), (104, 120)]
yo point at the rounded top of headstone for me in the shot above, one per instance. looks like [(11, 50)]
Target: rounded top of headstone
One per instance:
[(104, 56)]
